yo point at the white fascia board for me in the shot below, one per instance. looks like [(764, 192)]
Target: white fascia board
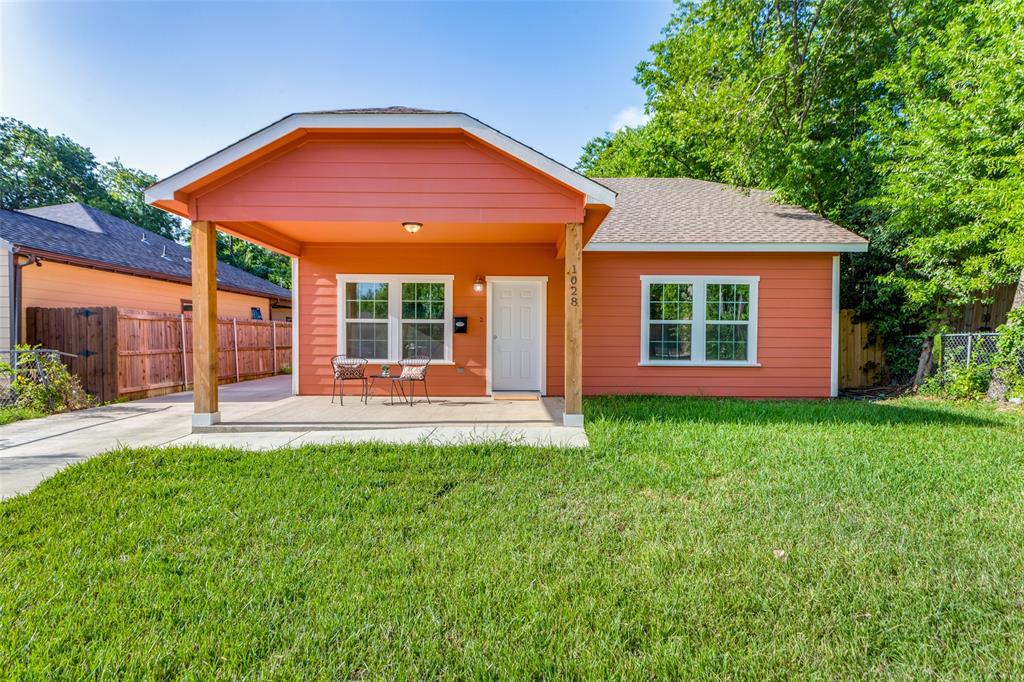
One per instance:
[(680, 247), (595, 192)]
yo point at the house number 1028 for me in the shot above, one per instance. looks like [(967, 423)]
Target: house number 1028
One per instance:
[(574, 292)]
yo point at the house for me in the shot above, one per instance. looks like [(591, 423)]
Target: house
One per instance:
[(417, 232), (73, 255)]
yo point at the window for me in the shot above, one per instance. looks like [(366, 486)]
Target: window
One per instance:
[(384, 318), (256, 313), (186, 305), (706, 320)]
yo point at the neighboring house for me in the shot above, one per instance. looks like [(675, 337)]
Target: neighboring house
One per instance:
[(73, 255), (417, 233)]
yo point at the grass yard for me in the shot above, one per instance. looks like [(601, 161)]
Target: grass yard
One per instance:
[(653, 554)]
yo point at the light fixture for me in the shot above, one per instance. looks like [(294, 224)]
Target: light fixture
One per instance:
[(412, 228), (478, 285)]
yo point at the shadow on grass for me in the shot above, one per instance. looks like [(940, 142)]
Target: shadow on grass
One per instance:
[(646, 408)]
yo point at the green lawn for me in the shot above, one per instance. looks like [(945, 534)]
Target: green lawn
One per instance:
[(650, 555)]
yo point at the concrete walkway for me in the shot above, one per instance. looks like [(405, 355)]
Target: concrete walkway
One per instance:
[(33, 450)]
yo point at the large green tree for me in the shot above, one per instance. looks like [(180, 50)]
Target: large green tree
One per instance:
[(950, 152)]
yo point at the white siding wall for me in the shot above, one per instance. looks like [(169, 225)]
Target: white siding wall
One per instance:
[(5, 299)]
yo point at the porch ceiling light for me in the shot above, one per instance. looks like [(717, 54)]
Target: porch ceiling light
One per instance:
[(478, 285), (412, 228)]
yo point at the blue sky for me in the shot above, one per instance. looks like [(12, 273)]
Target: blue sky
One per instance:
[(161, 85)]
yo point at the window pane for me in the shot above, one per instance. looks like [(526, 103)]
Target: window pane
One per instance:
[(422, 301), (728, 302), (671, 301), (423, 339), (726, 342), (366, 300), (366, 340), (669, 342)]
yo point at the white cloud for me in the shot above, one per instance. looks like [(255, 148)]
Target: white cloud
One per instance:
[(630, 117)]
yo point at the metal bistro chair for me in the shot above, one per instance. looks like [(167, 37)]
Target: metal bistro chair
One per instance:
[(413, 370), (348, 369)]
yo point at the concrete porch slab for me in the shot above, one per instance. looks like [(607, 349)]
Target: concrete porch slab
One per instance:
[(535, 436)]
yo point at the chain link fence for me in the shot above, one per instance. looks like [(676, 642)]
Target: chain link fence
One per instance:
[(962, 351), (26, 363)]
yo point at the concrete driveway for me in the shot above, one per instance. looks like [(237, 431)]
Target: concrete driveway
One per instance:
[(33, 450), (262, 414)]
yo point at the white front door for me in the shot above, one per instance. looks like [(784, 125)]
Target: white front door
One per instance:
[(516, 336)]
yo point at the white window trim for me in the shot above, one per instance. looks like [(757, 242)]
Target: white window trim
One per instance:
[(394, 321), (697, 337)]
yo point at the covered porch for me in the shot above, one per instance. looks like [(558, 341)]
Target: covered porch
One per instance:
[(411, 235), (264, 413)]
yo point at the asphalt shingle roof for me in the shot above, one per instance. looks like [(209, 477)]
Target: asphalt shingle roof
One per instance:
[(683, 210), (86, 233)]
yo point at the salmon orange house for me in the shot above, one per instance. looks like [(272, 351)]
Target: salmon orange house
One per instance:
[(429, 233)]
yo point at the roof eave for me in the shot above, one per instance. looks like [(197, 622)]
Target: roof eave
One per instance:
[(748, 247)]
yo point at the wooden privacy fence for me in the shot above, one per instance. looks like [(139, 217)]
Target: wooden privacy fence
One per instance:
[(861, 363), (133, 354)]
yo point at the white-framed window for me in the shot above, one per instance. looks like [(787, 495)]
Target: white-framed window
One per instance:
[(698, 320), (385, 318)]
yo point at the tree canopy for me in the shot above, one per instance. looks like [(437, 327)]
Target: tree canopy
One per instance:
[(899, 119), (40, 169)]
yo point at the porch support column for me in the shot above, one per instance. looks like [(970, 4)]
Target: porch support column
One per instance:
[(573, 325), (204, 323)]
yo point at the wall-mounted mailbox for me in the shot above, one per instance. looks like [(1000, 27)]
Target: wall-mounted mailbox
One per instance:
[(459, 325)]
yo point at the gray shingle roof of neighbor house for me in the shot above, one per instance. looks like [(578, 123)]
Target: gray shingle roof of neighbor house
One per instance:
[(84, 233), (683, 211)]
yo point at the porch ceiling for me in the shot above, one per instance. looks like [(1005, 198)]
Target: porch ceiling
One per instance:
[(393, 232)]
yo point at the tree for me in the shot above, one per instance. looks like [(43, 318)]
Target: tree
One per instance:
[(38, 169), (255, 259), (951, 157)]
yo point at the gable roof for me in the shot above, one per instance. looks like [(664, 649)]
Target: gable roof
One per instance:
[(84, 233), (682, 214), (386, 118)]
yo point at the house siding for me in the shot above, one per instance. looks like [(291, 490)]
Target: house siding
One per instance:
[(56, 285), (794, 318), (5, 299), (448, 178), (318, 303), (794, 325)]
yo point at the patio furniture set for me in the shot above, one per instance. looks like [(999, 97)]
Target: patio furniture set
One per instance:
[(414, 370)]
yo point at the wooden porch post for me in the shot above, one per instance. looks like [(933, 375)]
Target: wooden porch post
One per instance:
[(204, 323), (573, 325)]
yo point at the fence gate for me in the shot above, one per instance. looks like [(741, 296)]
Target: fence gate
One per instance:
[(88, 334)]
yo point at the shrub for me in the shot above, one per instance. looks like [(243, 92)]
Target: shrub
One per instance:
[(1009, 357), (959, 382), (42, 383)]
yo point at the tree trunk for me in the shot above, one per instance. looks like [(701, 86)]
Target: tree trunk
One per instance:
[(924, 362), (997, 387)]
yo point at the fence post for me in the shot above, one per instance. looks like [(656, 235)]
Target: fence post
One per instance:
[(184, 357), (970, 339), (273, 345), (234, 331)]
